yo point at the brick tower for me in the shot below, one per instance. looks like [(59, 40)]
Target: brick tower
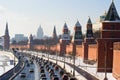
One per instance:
[(65, 39), (77, 37), (30, 42), (6, 38), (55, 36), (110, 34), (89, 38)]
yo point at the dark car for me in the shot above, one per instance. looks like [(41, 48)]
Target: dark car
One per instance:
[(31, 70), (42, 75), (55, 78), (22, 74), (73, 78), (65, 77), (42, 71)]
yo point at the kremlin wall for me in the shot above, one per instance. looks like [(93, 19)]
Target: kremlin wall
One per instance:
[(105, 51)]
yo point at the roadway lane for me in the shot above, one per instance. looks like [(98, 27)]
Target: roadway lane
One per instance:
[(29, 75)]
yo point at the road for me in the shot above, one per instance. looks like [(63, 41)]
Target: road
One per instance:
[(29, 75)]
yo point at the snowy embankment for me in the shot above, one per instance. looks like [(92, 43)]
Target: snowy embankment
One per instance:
[(5, 58)]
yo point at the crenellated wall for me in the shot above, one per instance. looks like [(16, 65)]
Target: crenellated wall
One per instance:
[(92, 52), (116, 60)]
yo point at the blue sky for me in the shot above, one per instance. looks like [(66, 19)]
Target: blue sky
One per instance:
[(25, 16)]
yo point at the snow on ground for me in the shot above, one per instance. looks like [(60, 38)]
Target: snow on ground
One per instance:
[(5, 58), (92, 69)]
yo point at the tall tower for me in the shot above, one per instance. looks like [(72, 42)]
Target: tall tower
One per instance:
[(110, 34), (55, 35), (89, 38), (40, 32), (6, 38), (77, 37), (65, 39), (30, 43)]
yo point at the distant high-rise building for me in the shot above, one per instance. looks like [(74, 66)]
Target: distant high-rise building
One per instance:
[(19, 37), (40, 33), (6, 38)]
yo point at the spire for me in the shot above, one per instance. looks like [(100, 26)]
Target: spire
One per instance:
[(89, 32), (31, 39), (112, 14), (54, 33), (89, 21), (6, 30), (65, 25), (77, 24), (77, 36)]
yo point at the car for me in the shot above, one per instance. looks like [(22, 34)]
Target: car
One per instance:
[(51, 70), (43, 78), (65, 77), (31, 70), (22, 74), (28, 64), (73, 78), (42, 75), (55, 78), (61, 72), (53, 75), (42, 71), (56, 68)]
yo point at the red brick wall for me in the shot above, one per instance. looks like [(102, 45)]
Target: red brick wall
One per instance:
[(92, 52), (69, 49), (19, 46), (79, 51), (116, 61)]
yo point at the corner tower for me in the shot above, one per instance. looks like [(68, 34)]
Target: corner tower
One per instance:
[(6, 38), (110, 34), (30, 42)]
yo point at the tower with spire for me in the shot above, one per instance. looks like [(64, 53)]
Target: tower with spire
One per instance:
[(65, 39), (6, 38), (89, 38), (30, 42), (40, 32), (110, 34), (54, 35), (77, 37)]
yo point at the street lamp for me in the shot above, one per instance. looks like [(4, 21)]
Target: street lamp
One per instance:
[(105, 62), (56, 56), (64, 62), (74, 53)]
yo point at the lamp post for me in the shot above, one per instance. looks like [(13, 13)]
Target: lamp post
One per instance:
[(74, 53), (105, 62), (64, 61)]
